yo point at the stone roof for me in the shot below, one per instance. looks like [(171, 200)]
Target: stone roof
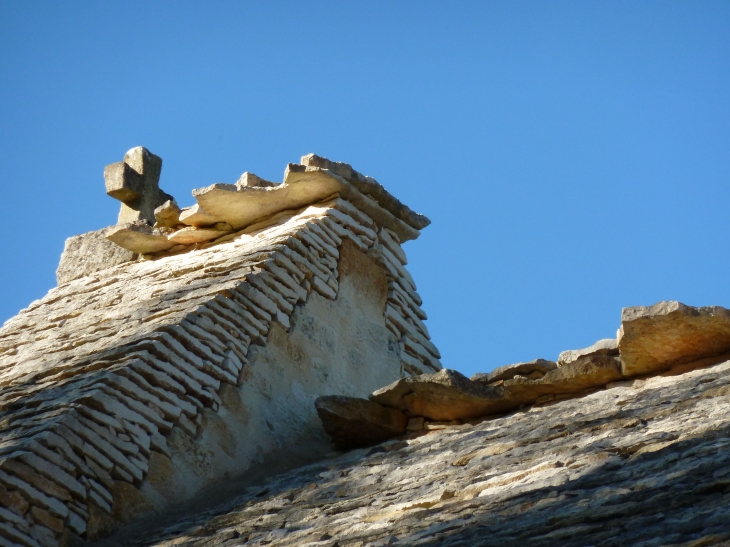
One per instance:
[(641, 462), (179, 364), (133, 352)]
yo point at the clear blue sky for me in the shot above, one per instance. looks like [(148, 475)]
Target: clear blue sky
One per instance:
[(574, 157)]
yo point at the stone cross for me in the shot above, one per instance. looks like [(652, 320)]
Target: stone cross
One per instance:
[(135, 182)]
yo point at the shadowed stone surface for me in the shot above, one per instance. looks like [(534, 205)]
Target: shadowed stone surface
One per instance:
[(353, 423), (653, 338)]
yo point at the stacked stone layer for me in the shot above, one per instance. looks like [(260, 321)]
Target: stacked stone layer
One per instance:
[(97, 374), (643, 462)]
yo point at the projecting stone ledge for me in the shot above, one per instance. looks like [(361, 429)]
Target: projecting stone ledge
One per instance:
[(140, 237), (654, 338), (446, 395), (607, 346), (241, 205)]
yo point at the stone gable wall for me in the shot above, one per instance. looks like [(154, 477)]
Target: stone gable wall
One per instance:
[(145, 382)]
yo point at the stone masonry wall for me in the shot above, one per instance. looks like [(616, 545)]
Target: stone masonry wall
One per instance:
[(107, 379)]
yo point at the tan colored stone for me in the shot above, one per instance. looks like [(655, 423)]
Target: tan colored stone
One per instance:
[(99, 524), (141, 238), (36, 480), (251, 180), (352, 423), (370, 187), (89, 253), (444, 396), (654, 338), (415, 424), (607, 346), (197, 216), (129, 503), (167, 215), (587, 372), (510, 371), (192, 235), (302, 186)]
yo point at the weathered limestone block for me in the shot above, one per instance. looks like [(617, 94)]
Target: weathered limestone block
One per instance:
[(197, 216), (243, 205), (510, 371), (654, 338), (167, 215), (368, 186), (89, 253), (446, 395), (249, 179), (135, 182), (607, 346), (352, 423), (140, 237), (588, 372)]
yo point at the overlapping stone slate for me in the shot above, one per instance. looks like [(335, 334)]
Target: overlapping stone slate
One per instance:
[(590, 372), (654, 338), (167, 215), (607, 346), (444, 395), (140, 237), (353, 423), (537, 367)]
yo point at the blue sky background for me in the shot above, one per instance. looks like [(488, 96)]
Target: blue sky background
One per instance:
[(574, 157)]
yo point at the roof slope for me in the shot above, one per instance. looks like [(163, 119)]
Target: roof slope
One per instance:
[(643, 462), (94, 376)]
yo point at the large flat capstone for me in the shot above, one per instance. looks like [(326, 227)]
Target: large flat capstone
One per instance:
[(654, 338)]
